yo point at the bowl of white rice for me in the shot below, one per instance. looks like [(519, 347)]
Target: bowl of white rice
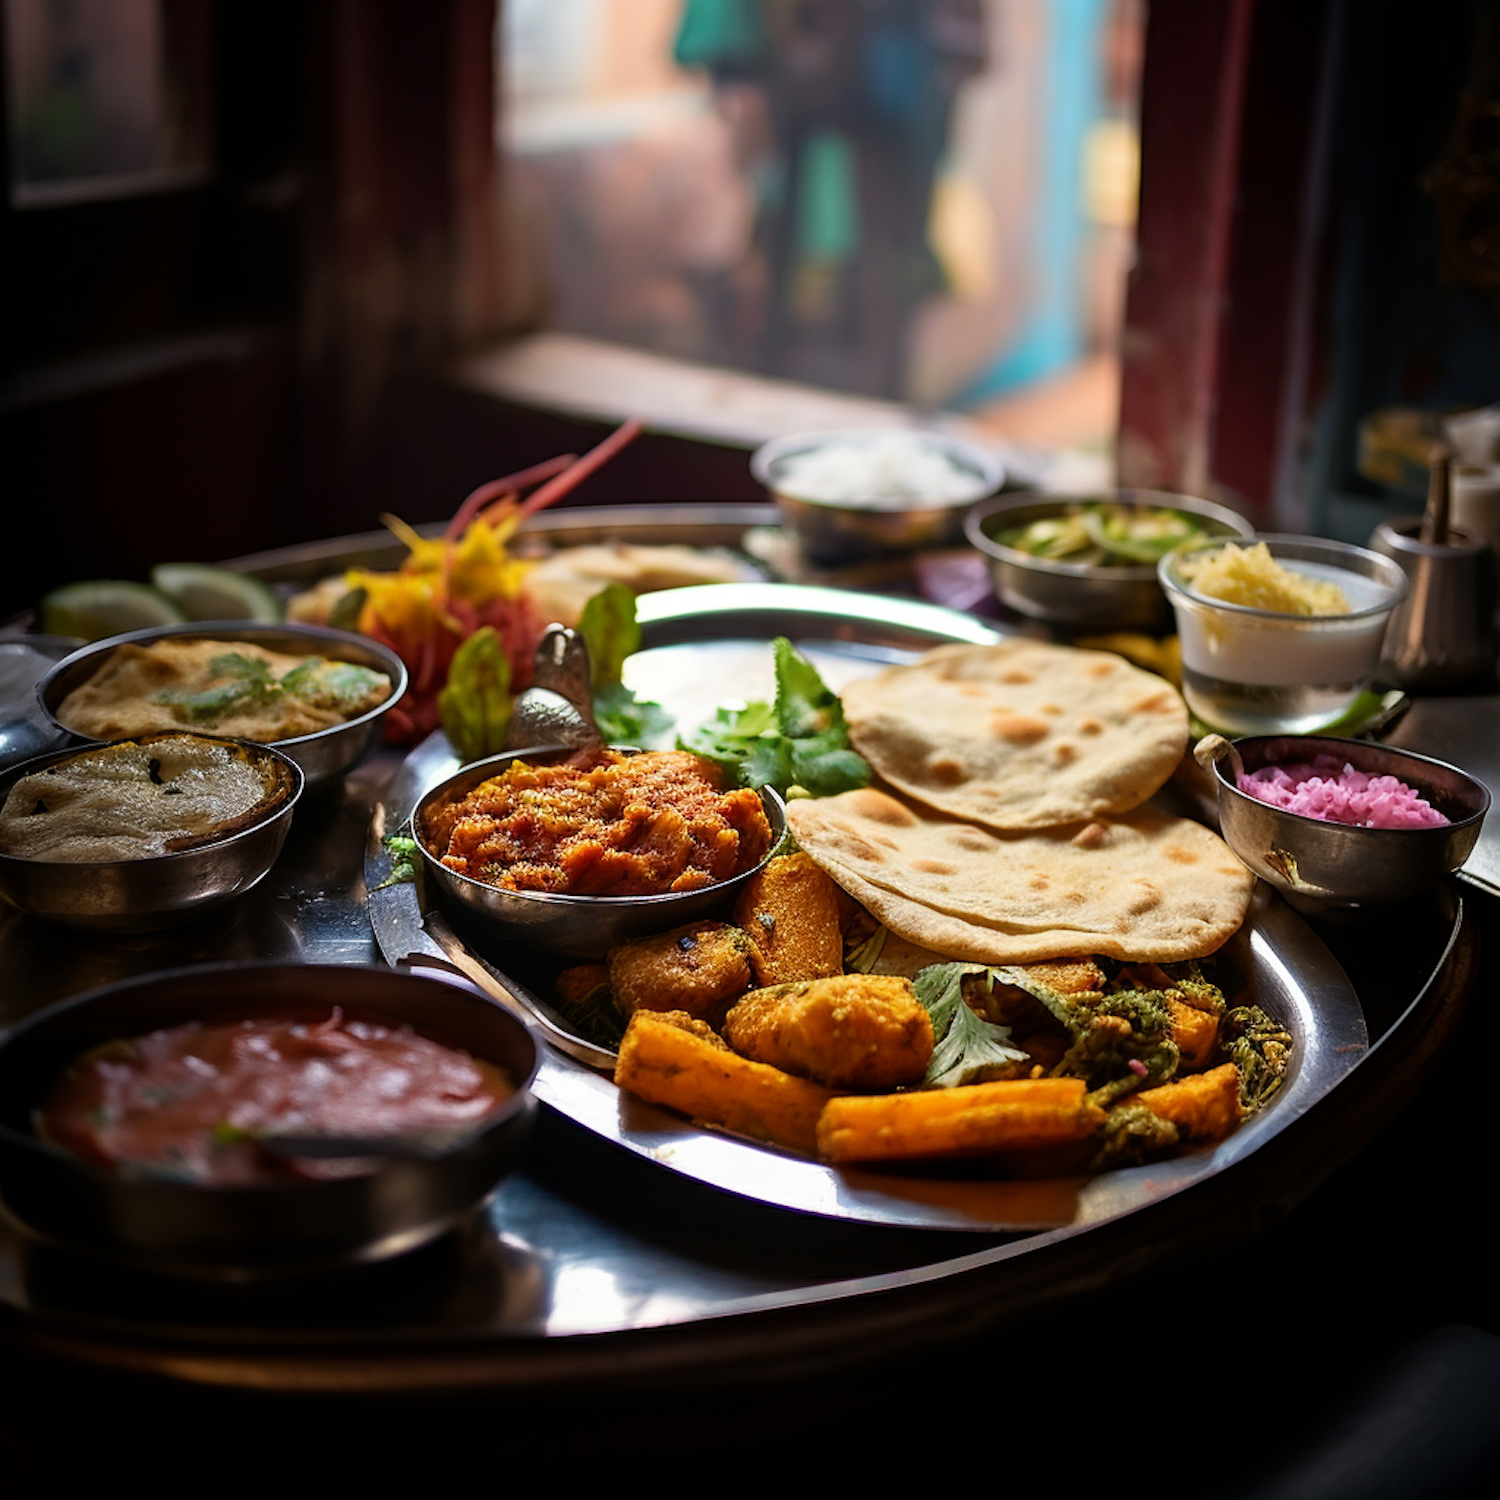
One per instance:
[(862, 493)]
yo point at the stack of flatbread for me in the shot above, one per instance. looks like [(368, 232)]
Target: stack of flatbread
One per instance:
[(1008, 824)]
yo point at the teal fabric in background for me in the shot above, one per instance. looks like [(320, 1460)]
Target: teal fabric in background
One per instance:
[(827, 208), (720, 34), (1052, 335)]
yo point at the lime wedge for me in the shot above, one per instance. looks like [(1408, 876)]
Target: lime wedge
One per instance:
[(202, 592), (105, 606)]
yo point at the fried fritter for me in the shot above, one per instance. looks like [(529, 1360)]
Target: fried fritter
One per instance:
[(790, 912), (576, 987), (674, 1060), (856, 1031), (699, 969)]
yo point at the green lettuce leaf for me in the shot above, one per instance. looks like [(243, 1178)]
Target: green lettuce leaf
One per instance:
[(611, 632), (475, 704)]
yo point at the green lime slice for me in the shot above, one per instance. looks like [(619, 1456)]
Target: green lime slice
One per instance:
[(207, 593), (104, 606)]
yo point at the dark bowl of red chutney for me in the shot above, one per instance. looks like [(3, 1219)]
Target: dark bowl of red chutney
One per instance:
[(278, 1182)]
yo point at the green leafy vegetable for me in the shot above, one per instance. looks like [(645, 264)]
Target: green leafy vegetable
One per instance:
[(1131, 1133), (475, 703), (250, 684), (1260, 1048), (596, 1017), (968, 1049), (863, 953), (624, 719), (610, 631), (403, 853), (1106, 534), (1112, 1033), (341, 684), (799, 743), (326, 684)]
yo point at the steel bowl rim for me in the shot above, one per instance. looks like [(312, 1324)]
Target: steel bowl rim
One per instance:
[(392, 664), (1179, 590), (53, 1014), (1323, 741), (12, 774), (989, 466), (571, 900), (998, 551)]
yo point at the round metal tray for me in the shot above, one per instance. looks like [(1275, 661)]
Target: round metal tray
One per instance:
[(592, 1263), (700, 646)]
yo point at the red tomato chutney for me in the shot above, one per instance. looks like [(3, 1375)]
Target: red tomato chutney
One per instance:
[(187, 1103)]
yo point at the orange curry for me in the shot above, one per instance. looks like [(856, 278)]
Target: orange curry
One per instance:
[(602, 824)]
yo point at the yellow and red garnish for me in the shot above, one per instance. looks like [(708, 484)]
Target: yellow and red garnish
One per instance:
[(450, 586)]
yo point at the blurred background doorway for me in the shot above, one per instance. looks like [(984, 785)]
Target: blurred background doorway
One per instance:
[(923, 200)]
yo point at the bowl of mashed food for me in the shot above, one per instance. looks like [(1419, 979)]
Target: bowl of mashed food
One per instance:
[(257, 1119), (319, 695), (1088, 562), (1338, 823), (1281, 634), (142, 834), (859, 494), (577, 851)]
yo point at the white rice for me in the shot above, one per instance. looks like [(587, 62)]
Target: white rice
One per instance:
[(892, 469)]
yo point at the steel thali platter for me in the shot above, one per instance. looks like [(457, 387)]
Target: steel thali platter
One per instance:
[(702, 647)]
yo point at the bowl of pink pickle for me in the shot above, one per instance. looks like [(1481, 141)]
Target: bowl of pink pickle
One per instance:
[(1342, 824)]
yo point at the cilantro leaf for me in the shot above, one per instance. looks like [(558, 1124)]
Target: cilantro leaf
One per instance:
[(624, 719), (799, 741), (968, 1049), (403, 853), (806, 707)]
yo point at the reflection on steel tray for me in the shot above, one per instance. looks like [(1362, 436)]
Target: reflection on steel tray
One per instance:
[(695, 642)]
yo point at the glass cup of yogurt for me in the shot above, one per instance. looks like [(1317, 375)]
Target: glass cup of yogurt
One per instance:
[(1249, 669)]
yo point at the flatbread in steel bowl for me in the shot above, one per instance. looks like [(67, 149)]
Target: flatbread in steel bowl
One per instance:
[(1019, 734), (1143, 886)]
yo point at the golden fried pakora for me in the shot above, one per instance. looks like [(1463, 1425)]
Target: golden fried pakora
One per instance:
[(790, 912), (669, 1058), (853, 1031), (699, 969)]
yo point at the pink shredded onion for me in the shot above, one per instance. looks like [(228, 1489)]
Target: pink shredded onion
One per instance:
[(1332, 789)]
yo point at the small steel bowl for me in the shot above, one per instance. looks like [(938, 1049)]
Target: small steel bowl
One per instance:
[(161, 890), (583, 928), (1321, 866), (266, 1228), (842, 531), (1084, 596), (324, 757)]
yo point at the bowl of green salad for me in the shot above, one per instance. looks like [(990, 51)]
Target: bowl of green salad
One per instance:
[(1088, 562)]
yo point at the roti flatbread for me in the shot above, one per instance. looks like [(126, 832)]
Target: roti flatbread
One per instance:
[(1145, 886), (1019, 734)]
